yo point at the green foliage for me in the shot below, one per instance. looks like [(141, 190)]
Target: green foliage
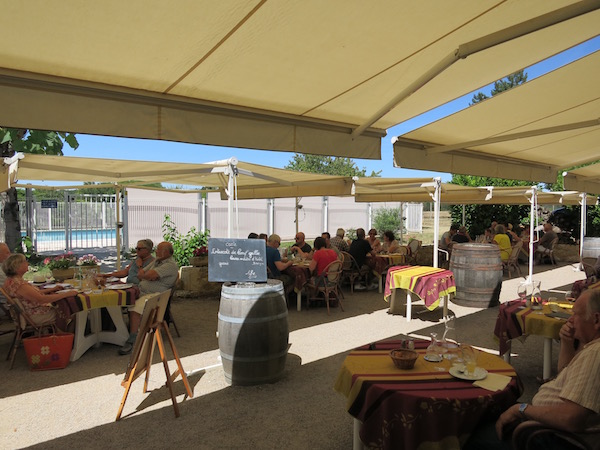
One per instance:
[(37, 141), (387, 219), (327, 165), (183, 244), (502, 85), (479, 217), (351, 234)]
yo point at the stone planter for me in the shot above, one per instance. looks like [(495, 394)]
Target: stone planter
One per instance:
[(199, 261), (63, 274)]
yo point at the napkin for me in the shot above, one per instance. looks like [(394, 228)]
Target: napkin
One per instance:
[(493, 382)]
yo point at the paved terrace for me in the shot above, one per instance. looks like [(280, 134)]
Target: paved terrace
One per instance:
[(76, 407)]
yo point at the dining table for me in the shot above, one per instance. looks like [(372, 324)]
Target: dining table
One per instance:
[(518, 320), (380, 263), (87, 306), (430, 284), (300, 274), (425, 407)]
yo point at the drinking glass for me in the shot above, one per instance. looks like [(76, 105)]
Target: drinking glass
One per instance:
[(449, 339), (469, 355), (522, 290), (569, 296)]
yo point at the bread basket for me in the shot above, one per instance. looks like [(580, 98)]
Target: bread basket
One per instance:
[(403, 358)]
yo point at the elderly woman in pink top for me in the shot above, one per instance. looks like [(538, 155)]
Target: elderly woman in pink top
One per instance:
[(37, 302)]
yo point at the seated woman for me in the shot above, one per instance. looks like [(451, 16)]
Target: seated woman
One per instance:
[(35, 301), (373, 241), (390, 244), (502, 241), (322, 257)]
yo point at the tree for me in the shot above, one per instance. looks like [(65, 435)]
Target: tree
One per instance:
[(479, 217), (502, 85), (14, 140), (327, 165), (387, 219)]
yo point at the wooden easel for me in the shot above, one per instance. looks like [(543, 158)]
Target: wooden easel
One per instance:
[(141, 357)]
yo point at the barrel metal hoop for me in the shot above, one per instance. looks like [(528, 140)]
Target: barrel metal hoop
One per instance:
[(230, 319), (254, 358)]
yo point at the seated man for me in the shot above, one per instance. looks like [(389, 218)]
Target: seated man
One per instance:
[(275, 264), (339, 242), (462, 236), (325, 235), (545, 243), (158, 276), (570, 402), (144, 257), (301, 248), (359, 249)]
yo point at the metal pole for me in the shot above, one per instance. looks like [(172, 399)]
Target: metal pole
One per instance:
[(583, 204), (296, 220), (271, 216), (325, 213), (436, 220), (119, 225), (533, 202)]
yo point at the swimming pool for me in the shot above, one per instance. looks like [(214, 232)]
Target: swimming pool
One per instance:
[(51, 240)]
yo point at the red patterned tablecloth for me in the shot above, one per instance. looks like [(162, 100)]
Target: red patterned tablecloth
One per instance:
[(418, 408), (300, 274), (516, 320), (429, 283)]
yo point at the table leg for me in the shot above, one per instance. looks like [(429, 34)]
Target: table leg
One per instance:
[(380, 284), (408, 306), (547, 371), (356, 442), (81, 342), (445, 310), (120, 335), (299, 300)]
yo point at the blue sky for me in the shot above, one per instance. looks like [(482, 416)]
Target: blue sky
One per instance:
[(148, 150)]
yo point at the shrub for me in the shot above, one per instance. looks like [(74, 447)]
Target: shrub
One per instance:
[(183, 244)]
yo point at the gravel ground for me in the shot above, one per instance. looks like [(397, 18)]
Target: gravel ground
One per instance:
[(76, 407)]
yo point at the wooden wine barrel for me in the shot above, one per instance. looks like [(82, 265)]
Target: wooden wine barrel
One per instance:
[(477, 272), (253, 332), (591, 247)]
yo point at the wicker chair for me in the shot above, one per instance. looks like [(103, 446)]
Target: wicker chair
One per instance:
[(328, 285), (351, 270), (529, 435), (24, 325)]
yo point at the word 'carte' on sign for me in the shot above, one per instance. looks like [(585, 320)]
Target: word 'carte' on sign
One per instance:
[(238, 260)]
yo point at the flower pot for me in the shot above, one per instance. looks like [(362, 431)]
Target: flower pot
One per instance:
[(63, 274), (199, 261)]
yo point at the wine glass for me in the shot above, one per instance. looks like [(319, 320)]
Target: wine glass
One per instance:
[(469, 355), (522, 291), (569, 296)]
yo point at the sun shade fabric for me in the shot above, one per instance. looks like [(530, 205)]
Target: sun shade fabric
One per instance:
[(568, 97), (419, 190), (252, 177), (584, 179), (290, 76)]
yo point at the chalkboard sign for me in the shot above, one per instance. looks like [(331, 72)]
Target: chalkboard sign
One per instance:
[(237, 260)]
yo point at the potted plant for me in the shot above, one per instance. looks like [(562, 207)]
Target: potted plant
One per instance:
[(88, 263), (61, 266), (200, 257)]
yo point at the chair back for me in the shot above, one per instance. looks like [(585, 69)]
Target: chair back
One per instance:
[(17, 311), (414, 246), (349, 263), (516, 249), (334, 272)]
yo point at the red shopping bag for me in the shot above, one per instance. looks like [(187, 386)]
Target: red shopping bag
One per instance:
[(50, 351)]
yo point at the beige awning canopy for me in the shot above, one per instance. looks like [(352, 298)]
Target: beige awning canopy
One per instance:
[(585, 179), (252, 177), (422, 190), (530, 132), (311, 77)]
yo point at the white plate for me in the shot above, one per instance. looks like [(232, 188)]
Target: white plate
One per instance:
[(64, 285), (479, 374), (119, 286), (112, 279), (50, 286), (432, 358)]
